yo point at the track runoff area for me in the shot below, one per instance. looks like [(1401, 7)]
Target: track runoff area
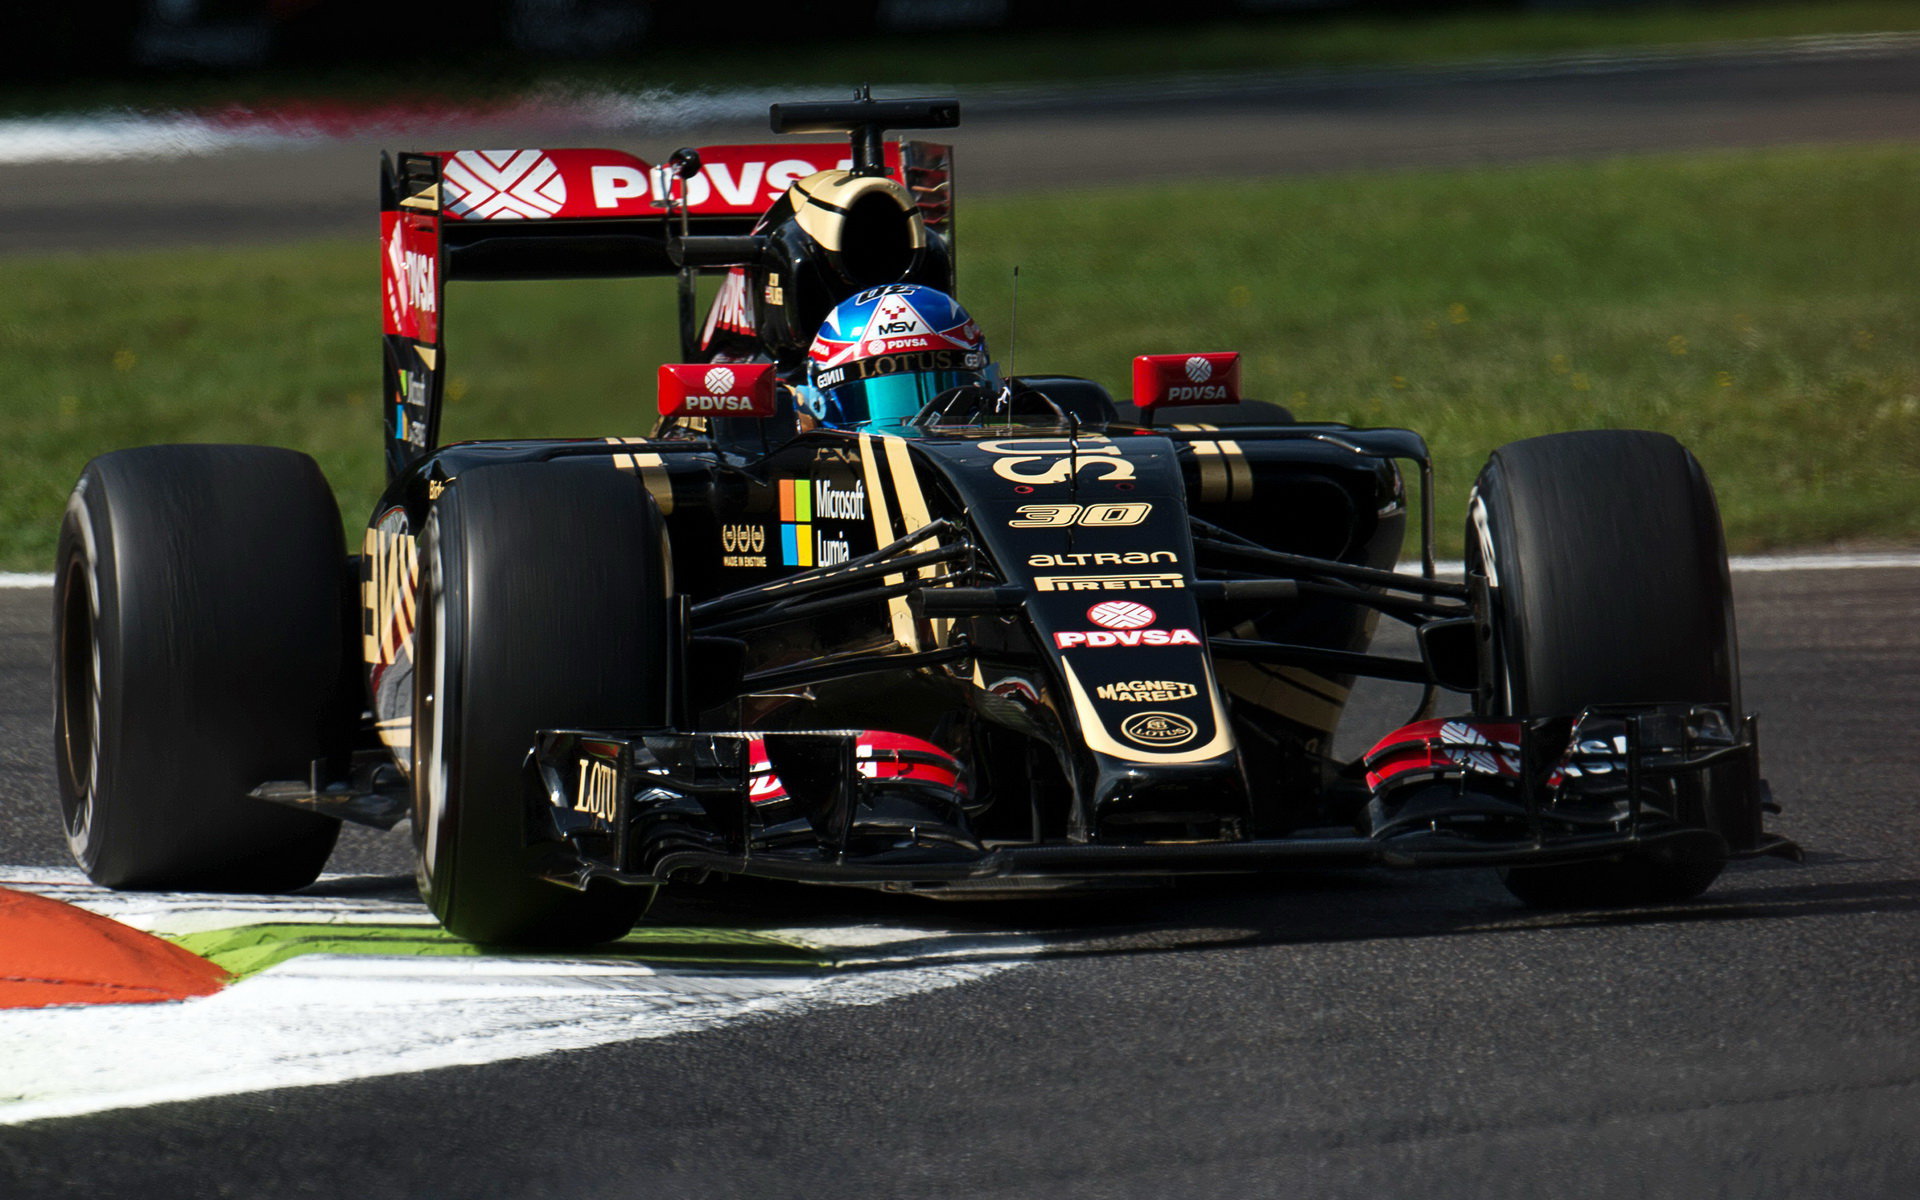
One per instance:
[(115, 1000)]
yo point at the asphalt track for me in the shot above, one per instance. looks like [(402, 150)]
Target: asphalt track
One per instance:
[(1026, 140), (1362, 1034)]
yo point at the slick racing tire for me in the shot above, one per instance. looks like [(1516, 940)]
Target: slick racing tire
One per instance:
[(1600, 572), (198, 652), (543, 605)]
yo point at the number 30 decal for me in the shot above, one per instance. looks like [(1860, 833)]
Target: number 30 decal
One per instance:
[(1040, 516)]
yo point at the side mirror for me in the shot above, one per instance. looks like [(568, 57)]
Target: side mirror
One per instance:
[(1171, 380), (717, 390)]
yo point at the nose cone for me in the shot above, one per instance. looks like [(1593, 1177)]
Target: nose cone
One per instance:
[(1191, 802)]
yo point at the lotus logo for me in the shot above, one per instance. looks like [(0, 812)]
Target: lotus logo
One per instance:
[(719, 380), (1121, 614), (1199, 369), (1158, 729)]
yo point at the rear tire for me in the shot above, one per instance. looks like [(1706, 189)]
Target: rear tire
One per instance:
[(543, 605), (1601, 575), (197, 654)]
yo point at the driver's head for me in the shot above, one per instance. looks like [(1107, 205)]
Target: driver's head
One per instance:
[(887, 351)]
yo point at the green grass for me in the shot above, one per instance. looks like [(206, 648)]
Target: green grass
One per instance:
[(247, 950), (1281, 42), (1759, 305)]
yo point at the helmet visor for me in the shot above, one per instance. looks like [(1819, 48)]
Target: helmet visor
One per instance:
[(892, 399)]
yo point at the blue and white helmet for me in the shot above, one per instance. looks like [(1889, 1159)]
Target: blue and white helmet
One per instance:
[(884, 353)]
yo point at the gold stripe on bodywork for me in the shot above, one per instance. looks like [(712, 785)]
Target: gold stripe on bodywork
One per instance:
[(1094, 731), (1216, 481), (652, 470), (914, 515), (1239, 474), (899, 615), (1225, 473)]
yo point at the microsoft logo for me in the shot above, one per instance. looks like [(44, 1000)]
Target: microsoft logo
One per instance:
[(796, 522)]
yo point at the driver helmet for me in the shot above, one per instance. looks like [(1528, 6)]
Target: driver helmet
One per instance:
[(884, 353)]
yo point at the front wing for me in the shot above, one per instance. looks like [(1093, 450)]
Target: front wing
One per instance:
[(643, 807)]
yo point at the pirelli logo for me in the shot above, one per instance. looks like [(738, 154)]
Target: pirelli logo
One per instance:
[(1142, 581)]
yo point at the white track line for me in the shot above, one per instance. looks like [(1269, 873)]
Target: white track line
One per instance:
[(335, 1018), (1739, 564), (107, 136), (1745, 563)]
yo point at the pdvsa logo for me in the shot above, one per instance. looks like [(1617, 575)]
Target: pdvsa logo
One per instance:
[(1121, 614), (718, 404), (1102, 639), (416, 281), (1158, 729), (490, 185), (721, 381), (1199, 370)]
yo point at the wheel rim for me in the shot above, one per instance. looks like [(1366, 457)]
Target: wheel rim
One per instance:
[(429, 729), (79, 702), (1497, 691)]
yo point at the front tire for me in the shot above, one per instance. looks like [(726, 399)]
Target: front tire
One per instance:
[(543, 605), (1601, 574), (197, 653)]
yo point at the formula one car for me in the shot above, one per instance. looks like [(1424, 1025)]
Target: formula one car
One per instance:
[(1016, 634)]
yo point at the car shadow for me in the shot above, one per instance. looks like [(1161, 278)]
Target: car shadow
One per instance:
[(1297, 908)]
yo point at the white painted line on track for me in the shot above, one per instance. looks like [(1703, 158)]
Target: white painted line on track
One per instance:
[(1824, 562), (322, 1019), (1745, 563), (1739, 564), (106, 136)]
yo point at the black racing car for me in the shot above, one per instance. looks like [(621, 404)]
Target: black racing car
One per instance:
[(1027, 636)]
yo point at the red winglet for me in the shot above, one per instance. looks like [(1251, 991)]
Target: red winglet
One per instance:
[(716, 390), (1169, 380), (1425, 748)]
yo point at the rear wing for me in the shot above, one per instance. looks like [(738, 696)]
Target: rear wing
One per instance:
[(576, 214)]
